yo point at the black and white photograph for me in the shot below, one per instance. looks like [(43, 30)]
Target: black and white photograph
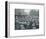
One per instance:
[(26, 19)]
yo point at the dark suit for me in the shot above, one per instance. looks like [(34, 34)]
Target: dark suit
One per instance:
[(30, 25)]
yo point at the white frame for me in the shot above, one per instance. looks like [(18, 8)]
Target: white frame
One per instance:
[(26, 4)]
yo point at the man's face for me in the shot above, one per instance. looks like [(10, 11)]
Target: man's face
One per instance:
[(22, 25)]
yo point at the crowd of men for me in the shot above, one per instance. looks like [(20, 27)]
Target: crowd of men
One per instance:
[(26, 22)]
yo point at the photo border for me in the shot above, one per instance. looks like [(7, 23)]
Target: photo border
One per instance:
[(7, 28)]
